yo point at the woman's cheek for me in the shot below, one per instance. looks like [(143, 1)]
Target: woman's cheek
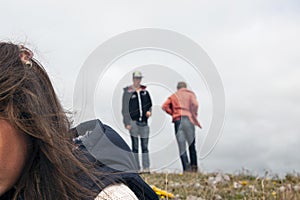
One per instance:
[(13, 153)]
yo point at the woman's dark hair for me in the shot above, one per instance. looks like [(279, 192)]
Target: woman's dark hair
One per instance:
[(29, 103)]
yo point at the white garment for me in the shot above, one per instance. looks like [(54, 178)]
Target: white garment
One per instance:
[(116, 192), (140, 105)]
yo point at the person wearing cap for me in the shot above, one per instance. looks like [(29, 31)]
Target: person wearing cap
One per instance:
[(136, 109), (183, 107)]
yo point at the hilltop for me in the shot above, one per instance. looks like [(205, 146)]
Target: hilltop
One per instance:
[(219, 186)]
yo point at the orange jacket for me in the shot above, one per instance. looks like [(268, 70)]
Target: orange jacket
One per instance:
[(182, 103)]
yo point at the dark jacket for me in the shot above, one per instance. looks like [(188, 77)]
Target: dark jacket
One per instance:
[(130, 104)]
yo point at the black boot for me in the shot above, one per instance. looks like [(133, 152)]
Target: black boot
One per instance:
[(194, 168)]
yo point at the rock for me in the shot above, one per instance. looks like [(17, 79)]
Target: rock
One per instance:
[(236, 185), (296, 188), (282, 189), (226, 177), (211, 180), (218, 178), (191, 197)]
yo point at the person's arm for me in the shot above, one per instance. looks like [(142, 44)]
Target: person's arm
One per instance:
[(125, 109), (167, 106), (194, 105), (149, 106), (194, 110)]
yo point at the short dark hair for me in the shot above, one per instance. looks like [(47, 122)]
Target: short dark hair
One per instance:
[(181, 84)]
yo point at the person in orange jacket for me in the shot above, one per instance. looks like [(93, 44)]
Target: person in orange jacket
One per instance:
[(183, 107)]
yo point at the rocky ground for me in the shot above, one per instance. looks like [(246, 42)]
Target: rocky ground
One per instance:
[(219, 186)]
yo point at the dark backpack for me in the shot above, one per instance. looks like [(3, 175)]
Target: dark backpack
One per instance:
[(102, 145)]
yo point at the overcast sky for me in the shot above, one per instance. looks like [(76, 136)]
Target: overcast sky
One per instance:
[(254, 45)]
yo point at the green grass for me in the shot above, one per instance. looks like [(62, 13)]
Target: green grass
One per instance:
[(226, 186)]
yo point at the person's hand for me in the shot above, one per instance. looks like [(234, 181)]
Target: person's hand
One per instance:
[(128, 127), (148, 114)]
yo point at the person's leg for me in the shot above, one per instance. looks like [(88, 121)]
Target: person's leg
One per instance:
[(190, 136), (144, 133), (193, 156), (135, 142), (181, 144), (135, 149)]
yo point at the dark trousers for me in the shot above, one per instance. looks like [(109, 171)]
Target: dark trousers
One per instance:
[(141, 132), (185, 133)]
